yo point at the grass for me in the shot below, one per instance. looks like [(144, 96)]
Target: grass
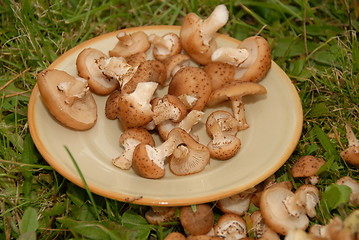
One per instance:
[(314, 42)]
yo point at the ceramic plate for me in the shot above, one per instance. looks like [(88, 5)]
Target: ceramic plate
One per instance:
[(275, 126)]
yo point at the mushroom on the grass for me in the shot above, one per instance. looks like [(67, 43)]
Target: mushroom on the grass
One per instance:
[(351, 153)]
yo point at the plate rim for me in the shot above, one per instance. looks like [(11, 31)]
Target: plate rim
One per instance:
[(148, 200)]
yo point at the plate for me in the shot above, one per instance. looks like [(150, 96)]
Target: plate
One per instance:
[(275, 126)]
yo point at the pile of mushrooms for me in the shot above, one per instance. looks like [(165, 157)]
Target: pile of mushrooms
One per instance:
[(270, 210), (196, 72)]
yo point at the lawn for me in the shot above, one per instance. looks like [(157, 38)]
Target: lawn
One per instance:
[(313, 41)]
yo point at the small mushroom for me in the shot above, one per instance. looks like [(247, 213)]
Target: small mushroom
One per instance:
[(275, 212), (220, 73), (192, 81), (68, 99), (298, 234), (87, 64), (229, 55), (197, 220), (175, 236), (189, 156), (148, 161), (175, 63), (187, 123), (160, 215), (165, 46), (129, 140), (334, 230), (260, 229), (129, 44), (168, 108), (236, 204), (354, 186), (112, 105), (351, 153), (228, 124), (147, 71), (307, 166), (135, 109), (204, 237), (235, 92), (231, 226), (197, 35)]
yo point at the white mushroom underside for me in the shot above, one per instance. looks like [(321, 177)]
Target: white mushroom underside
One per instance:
[(232, 230), (165, 110), (165, 45), (117, 68)]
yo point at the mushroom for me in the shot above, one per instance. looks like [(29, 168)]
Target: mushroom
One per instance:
[(237, 203), (134, 109), (165, 46), (168, 108), (175, 236), (252, 59), (129, 140), (112, 105), (160, 215), (129, 44), (136, 59), (307, 166), (192, 81), (197, 35), (298, 234), (68, 99), (334, 230), (147, 71), (260, 229), (235, 92), (354, 186), (174, 63), (273, 206), (204, 237), (227, 123), (220, 73), (87, 64), (148, 161), (189, 156), (197, 219), (231, 227), (351, 153), (187, 123)]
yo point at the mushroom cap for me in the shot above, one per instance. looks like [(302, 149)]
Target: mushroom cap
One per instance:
[(197, 222), (190, 156), (112, 107), (275, 214), (174, 63), (81, 115), (351, 155), (235, 89), (236, 204), (204, 237), (143, 165), (226, 121), (139, 134), (354, 186), (192, 81), (307, 166), (130, 44), (231, 226), (136, 59), (175, 236), (259, 61), (165, 46), (160, 215), (168, 107), (88, 68), (148, 71), (191, 40), (225, 150), (220, 73)]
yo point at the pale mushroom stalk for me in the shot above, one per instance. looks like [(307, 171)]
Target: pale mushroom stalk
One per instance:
[(352, 139), (351, 153), (232, 56), (239, 112), (192, 118), (219, 137), (124, 38), (168, 108), (214, 22), (163, 44), (160, 153), (73, 90), (143, 93), (124, 161)]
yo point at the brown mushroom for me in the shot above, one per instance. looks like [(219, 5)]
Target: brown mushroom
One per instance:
[(68, 99), (220, 73), (197, 220), (307, 166), (112, 107), (260, 229), (228, 124), (136, 59), (351, 153), (354, 186), (192, 81), (175, 236), (87, 64), (229, 55), (237, 203), (129, 139), (130, 43), (175, 63), (160, 215), (235, 92), (165, 46), (231, 226), (197, 35), (168, 108), (189, 156)]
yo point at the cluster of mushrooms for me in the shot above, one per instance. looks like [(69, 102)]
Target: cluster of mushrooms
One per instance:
[(196, 73), (278, 211)]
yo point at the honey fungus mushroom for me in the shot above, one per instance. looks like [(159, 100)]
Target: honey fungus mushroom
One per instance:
[(351, 153), (220, 73), (234, 92), (87, 64), (197, 35), (192, 81), (168, 108), (197, 220), (68, 99), (307, 166), (231, 226), (165, 46), (130, 43)]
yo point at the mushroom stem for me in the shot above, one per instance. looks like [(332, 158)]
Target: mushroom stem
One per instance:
[(192, 118), (239, 112), (162, 44), (125, 38), (181, 151), (219, 137), (232, 56), (214, 22), (352, 139), (143, 93), (73, 90)]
